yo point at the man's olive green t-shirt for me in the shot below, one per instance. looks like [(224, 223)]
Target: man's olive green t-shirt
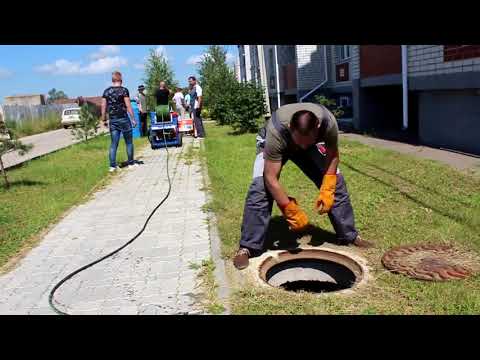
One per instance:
[(277, 147)]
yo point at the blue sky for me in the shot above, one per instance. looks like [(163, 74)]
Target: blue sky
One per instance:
[(85, 70)]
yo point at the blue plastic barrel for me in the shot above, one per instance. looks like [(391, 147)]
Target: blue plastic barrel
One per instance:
[(136, 112)]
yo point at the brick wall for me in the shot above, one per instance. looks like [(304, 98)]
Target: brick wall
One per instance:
[(380, 60), (429, 60)]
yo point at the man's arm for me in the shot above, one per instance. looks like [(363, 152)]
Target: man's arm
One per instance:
[(130, 110), (296, 218), (199, 91), (104, 111), (326, 197), (271, 174), (332, 161)]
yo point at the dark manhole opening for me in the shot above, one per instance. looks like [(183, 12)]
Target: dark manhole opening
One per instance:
[(310, 275), (312, 286)]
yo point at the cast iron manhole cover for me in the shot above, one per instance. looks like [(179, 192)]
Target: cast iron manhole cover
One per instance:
[(431, 262)]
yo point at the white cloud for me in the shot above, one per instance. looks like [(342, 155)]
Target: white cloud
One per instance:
[(105, 51), (104, 65), (60, 67), (162, 50), (195, 59), (139, 66), (5, 73), (66, 67)]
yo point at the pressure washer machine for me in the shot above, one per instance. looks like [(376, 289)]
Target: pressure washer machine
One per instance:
[(165, 126)]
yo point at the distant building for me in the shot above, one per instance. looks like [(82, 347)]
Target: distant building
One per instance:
[(32, 99), (95, 102), (303, 71), (440, 106), (65, 101)]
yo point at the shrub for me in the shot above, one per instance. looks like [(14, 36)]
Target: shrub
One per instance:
[(248, 106), (331, 105), (9, 142)]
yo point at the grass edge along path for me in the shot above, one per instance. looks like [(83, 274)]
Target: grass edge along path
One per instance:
[(44, 190), (398, 199)]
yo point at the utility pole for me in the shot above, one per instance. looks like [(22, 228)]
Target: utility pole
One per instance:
[(278, 77), (405, 86), (263, 76)]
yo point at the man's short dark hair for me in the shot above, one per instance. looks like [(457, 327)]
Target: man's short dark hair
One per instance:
[(304, 122), (192, 78)]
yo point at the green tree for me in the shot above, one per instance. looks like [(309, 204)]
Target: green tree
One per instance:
[(157, 68), (55, 94), (88, 125), (218, 83), (247, 107), (240, 105), (8, 143)]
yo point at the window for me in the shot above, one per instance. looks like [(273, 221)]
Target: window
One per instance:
[(344, 101), (343, 52), (342, 72)]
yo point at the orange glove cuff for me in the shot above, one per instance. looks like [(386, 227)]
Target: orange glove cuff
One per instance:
[(326, 197)]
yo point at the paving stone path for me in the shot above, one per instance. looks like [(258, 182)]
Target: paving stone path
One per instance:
[(43, 144), (154, 275)]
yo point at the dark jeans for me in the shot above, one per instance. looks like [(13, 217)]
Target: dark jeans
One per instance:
[(118, 127), (198, 122), (143, 124), (259, 202)]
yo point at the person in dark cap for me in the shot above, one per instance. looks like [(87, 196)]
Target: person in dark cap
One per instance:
[(142, 106)]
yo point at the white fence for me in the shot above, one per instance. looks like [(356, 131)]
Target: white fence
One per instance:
[(20, 113)]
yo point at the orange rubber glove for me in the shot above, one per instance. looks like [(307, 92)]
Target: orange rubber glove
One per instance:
[(296, 217), (326, 197)]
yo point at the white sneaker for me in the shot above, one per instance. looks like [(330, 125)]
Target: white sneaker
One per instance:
[(113, 169)]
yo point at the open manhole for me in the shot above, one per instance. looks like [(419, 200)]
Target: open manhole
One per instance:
[(311, 270), (432, 262)]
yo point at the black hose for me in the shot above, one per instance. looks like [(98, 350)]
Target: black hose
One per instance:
[(69, 276)]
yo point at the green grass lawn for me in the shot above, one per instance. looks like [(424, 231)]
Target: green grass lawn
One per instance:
[(398, 199), (43, 189)]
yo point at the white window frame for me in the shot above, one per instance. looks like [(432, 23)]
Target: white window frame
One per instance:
[(344, 50), (347, 100)]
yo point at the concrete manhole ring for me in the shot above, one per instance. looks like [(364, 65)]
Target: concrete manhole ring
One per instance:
[(314, 270), (431, 262)]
